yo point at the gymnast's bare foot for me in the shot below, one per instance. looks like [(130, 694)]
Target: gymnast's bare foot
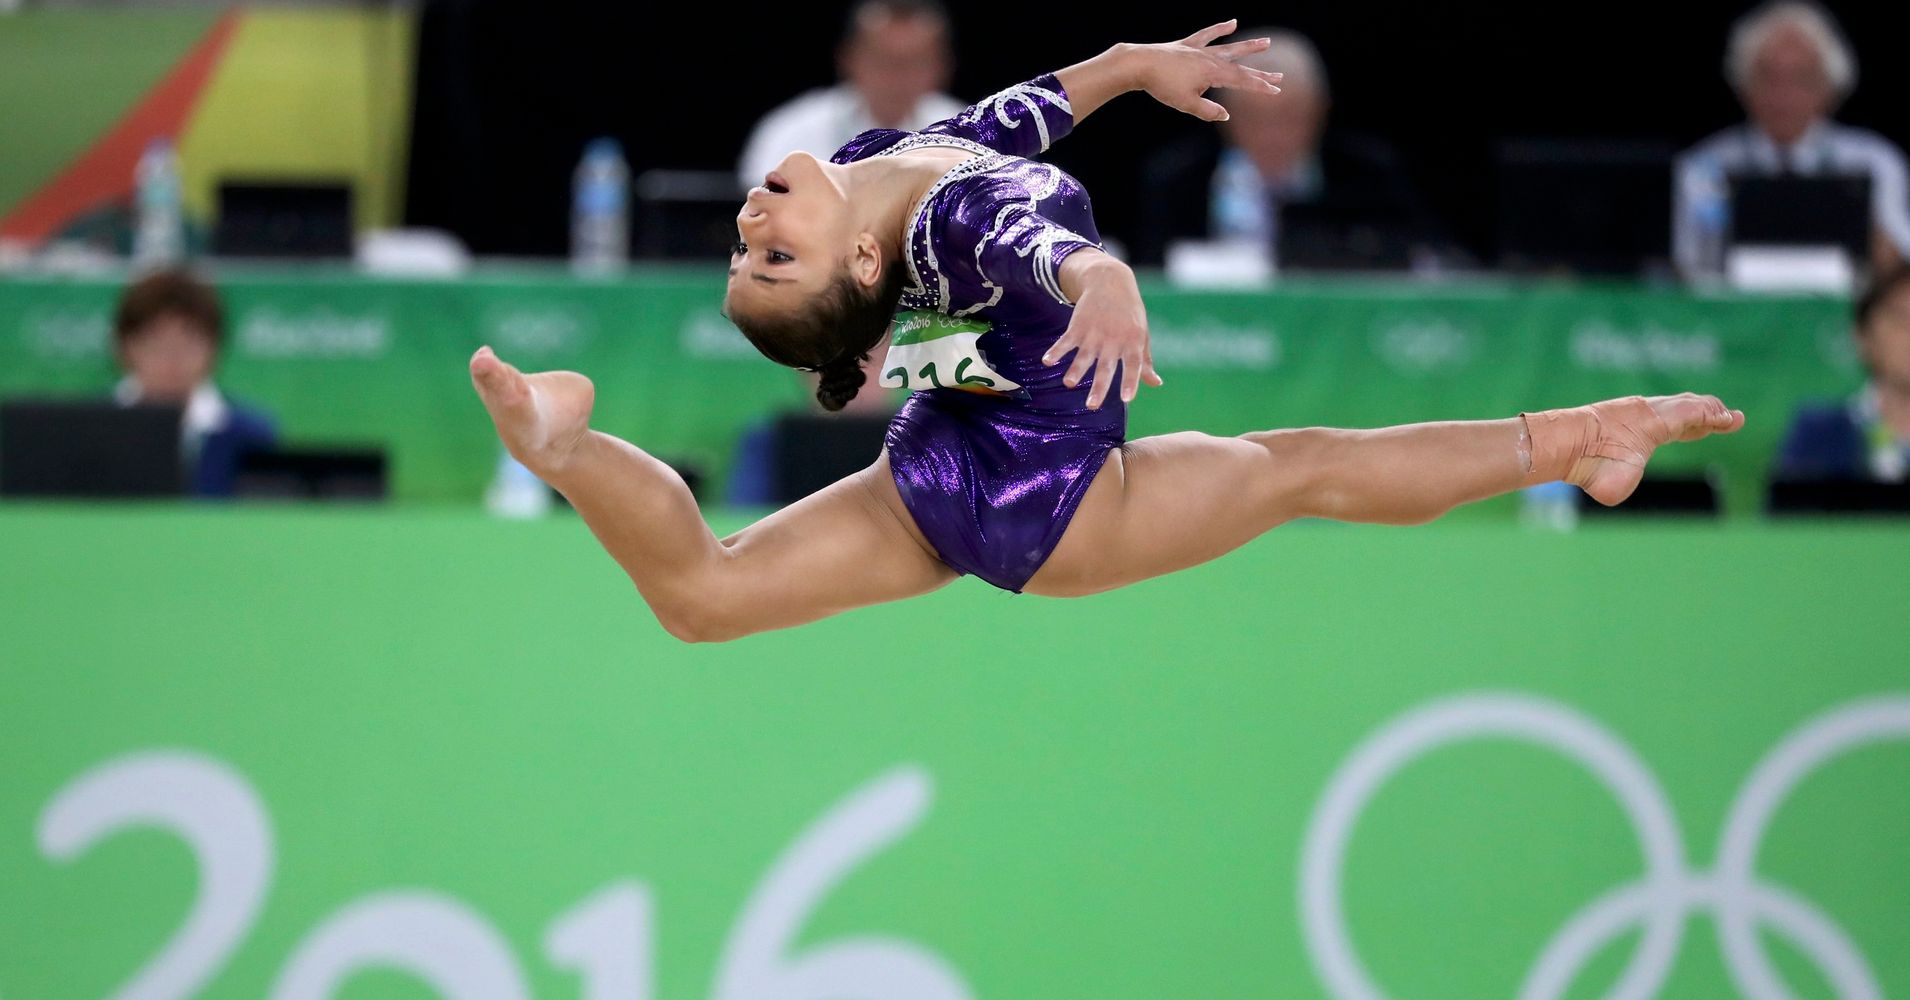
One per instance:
[(541, 417), (1621, 434)]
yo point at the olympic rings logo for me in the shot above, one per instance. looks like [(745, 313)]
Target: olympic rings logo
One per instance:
[(1667, 892)]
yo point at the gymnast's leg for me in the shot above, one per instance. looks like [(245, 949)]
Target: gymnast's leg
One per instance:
[(843, 547), (1165, 503)]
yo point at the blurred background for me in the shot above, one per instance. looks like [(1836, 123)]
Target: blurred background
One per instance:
[(311, 691)]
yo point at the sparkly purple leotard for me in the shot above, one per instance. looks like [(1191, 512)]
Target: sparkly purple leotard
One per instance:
[(993, 479)]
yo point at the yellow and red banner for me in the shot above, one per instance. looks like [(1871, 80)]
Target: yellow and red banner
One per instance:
[(256, 94)]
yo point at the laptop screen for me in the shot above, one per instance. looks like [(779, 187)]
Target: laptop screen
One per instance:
[(1790, 210), (89, 449)]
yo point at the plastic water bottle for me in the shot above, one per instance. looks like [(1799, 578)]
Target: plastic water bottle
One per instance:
[(516, 492), (1550, 506), (160, 234), (600, 210), (1709, 195), (1239, 215)]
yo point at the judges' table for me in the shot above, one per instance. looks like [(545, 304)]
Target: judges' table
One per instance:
[(345, 358), (380, 749)]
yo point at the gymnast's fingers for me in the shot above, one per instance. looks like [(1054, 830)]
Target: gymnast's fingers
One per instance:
[(1203, 109), (1130, 375), (1103, 379), (1060, 349), (1149, 375), (1201, 38), (1234, 50), (1242, 78), (1083, 360)]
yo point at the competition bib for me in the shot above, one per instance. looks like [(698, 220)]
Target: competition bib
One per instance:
[(931, 350)]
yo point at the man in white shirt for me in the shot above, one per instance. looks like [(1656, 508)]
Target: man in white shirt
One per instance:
[(894, 61), (1791, 67)]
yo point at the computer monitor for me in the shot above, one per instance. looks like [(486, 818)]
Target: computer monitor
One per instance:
[(1663, 496), (685, 214), (1791, 210), (1837, 497), (89, 449), (1586, 206), (284, 219), (312, 474), (813, 451), (1330, 238)]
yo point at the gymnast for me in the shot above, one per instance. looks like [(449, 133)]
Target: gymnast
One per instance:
[(1024, 342)]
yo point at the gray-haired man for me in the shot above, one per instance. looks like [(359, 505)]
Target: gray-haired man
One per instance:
[(1791, 67)]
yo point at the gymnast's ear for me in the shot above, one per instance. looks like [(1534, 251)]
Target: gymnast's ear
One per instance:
[(865, 261)]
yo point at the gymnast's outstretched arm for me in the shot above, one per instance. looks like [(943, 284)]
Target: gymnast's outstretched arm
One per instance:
[(1177, 74)]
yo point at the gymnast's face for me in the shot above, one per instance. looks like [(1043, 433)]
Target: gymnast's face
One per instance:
[(794, 233)]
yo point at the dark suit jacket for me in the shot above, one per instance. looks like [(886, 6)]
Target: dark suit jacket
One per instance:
[(1367, 213), (246, 430), (1823, 443)]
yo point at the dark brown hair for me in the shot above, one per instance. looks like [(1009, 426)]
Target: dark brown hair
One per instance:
[(833, 336), (171, 292)]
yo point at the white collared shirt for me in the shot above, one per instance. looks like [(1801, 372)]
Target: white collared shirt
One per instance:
[(819, 122), (1825, 148)]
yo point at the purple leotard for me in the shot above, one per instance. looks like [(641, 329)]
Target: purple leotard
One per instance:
[(992, 480)]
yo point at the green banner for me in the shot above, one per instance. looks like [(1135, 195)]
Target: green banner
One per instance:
[(410, 754), (350, 359)]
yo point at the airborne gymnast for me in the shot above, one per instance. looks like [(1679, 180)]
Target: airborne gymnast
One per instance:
[(1024, 342)]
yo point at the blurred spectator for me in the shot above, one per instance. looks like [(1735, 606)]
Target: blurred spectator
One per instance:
[(1274, 175), (893, 62), (167, 333), (1791, 68), (1869, 436)]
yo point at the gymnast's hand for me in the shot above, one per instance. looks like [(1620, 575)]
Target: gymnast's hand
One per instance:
[(1179, 74), (1109, 327)]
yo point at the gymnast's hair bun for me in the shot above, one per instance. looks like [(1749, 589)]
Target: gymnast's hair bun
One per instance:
[(840, 383)]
